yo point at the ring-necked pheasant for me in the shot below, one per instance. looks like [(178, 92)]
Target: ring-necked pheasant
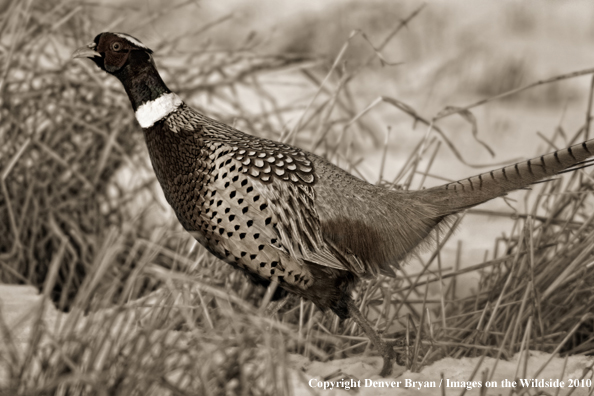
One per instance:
[(283, 214)]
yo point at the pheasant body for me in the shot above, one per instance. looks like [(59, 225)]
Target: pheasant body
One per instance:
[(282, 214), (249, 201)]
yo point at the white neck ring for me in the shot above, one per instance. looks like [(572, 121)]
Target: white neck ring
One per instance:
[(155, 110)]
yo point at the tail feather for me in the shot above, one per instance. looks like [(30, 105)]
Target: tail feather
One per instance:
[(452, 197)]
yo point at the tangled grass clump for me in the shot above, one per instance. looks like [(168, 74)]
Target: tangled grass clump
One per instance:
[(72, 157)]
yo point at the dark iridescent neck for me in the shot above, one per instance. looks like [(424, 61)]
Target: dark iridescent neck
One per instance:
[(142, 84)]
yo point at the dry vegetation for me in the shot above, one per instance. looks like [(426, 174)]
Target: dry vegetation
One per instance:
[(150, 312)]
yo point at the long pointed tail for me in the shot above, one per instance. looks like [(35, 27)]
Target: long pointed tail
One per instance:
[(452, 197)]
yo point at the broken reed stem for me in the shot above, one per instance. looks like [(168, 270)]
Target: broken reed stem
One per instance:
[(515, 91), (562, 374), (476, 368), (589, 110)]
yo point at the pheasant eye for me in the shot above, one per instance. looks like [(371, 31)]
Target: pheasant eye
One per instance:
[(116, 46)]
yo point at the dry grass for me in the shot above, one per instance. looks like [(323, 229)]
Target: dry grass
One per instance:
[(150, 313)]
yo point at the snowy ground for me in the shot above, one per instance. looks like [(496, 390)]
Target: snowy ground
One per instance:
[(20, 306), (456, 374)]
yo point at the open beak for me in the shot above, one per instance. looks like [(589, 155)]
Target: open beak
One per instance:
[(88, 51)]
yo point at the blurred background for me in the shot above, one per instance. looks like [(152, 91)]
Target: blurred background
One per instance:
[(452, 53), (72, 153)]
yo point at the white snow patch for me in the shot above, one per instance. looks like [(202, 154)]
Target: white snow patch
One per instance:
[(362, 372)]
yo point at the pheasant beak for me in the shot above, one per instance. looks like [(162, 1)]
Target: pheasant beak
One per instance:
[(87, 51)]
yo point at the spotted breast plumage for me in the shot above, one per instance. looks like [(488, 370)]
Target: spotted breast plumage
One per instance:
[(229, 196), (284, 215)]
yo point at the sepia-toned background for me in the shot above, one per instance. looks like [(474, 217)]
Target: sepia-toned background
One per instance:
[(129, 304)]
